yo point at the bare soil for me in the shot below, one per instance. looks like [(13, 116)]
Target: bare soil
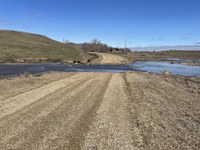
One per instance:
[(100, 111)]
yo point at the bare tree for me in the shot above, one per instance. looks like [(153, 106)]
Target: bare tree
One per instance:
[(95, 46)]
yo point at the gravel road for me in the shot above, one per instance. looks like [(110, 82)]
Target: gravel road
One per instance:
[(105, 58), (99, 111)]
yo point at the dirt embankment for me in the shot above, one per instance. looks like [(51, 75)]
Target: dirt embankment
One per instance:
[(106, 58), (100, 111)]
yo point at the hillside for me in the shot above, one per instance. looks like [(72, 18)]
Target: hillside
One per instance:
[(26, 47)]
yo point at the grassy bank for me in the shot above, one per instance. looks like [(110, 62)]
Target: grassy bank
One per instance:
[(26, 47)]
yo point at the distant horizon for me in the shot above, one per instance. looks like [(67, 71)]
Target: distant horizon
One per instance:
[(167, 48), (195, 47)]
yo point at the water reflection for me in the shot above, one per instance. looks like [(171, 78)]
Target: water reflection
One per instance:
[(157, 67)]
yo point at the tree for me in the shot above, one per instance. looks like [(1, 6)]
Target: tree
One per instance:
[(95, 46)]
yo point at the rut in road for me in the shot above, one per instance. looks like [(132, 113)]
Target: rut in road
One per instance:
[(111, 128)]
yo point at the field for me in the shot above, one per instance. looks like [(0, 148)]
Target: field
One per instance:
[(164, 54), (19, 47)]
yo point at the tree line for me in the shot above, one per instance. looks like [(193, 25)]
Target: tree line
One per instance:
[(97, 46)]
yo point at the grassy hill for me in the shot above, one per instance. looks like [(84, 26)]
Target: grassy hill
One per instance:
[(26, 47)]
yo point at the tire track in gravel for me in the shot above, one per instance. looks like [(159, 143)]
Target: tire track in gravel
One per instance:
[(18, 85), (38, 109), (111, 128), (102, 111), (57, 121), (77, 142), (15, 103)]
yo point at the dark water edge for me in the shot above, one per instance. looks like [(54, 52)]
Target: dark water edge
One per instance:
[(17, 69), (144, 66)]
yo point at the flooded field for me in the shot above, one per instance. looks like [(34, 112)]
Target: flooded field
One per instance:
[(159, 67)]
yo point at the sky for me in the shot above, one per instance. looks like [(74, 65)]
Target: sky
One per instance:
[(139, 22)]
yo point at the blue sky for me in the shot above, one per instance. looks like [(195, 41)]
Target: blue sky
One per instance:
[(141, 22)]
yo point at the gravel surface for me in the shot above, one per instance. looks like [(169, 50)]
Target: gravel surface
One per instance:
[(106, 58), (100, 111)]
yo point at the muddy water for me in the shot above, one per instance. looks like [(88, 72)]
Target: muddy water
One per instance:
[(157, 67)]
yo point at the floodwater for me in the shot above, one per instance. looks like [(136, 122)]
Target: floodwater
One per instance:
[(182, 60), (16, 69), (159, 67), (145, 66)]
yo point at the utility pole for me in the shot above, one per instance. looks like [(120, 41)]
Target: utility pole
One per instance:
[(125, 47)]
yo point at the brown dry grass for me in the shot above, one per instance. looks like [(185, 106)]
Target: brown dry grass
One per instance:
[(20, 45), (164, 54)]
